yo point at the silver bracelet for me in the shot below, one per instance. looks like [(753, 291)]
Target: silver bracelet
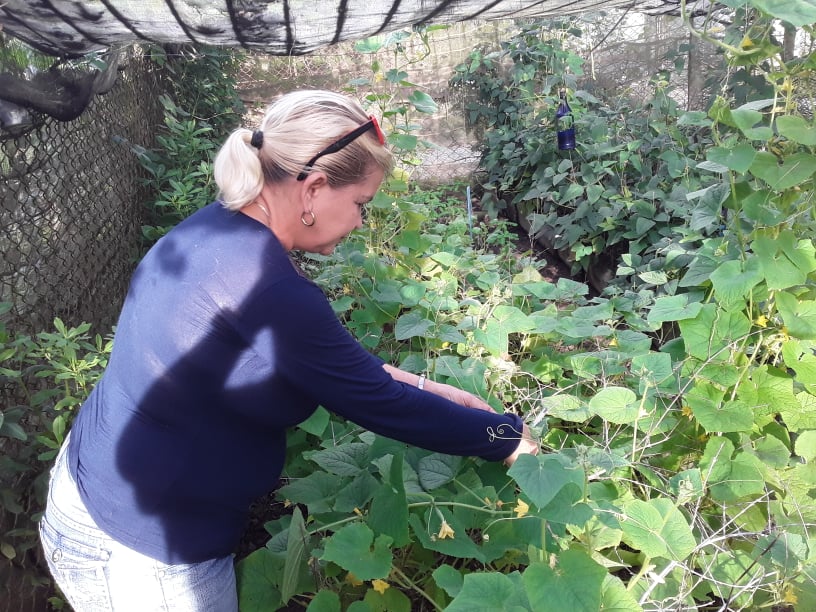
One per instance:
[(421, 382)]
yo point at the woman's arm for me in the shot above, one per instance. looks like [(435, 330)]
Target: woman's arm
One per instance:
[(463, 398), (527, 444)]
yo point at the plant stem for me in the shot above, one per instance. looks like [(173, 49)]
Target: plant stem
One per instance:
[(414, 586), (645, 567), (461, 505)]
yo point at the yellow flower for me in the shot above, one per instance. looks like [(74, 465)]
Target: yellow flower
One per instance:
[(353, 580), (521, 508), (746, 42), (445, 531), (379, 586), (762, 321), (789, 597), (687, 412)]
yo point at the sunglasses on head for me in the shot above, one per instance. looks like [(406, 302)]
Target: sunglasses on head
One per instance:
[(344, 141)]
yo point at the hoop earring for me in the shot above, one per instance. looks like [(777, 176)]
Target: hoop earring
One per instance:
[(311, 216)]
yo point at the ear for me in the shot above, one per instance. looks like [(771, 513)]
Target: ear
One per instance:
[(313, 183)]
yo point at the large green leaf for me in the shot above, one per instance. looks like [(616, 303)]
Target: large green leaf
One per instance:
[(449, 579), (652, 369), (566, 407), (324, 601), (731, 478), (575, 582), (800, 357), (542, 477), (616, 598), (715, 464), (768, 391), (658, 529), (673, 308), (489, 592), (747, 119), (503, 321), (806, 445), (257, 578), (459, 545), (391, 600), (423, 102), (738, 159), (785, 260), (317, 491), (317, 423), (796, 12), (733, 280), (793, 171), (342, 460), (732, 575), (354, 549), (295, 550), (796, 129), (687, 485), (389, 508), (357, 493), (437, 470), (712, 330), (801, 415), (715, 413), (412, 324), (799, 315), (616, 404)]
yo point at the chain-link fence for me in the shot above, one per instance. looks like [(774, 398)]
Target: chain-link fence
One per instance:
[(71, 204), (71, 207)]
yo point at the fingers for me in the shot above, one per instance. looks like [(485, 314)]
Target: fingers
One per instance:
[(527, 446)]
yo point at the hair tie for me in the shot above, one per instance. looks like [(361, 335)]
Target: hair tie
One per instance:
[(257, 139)]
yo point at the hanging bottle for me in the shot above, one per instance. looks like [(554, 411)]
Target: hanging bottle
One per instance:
[(564, 123)]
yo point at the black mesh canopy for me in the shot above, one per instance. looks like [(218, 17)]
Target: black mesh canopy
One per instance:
[(280, 27)]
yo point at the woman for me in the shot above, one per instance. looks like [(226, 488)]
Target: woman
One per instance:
[(222, 344)]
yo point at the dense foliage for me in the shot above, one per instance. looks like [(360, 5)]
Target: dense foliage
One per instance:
[(676, 410), (202, 108)]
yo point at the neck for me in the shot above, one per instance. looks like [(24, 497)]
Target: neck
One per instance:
[(269, 208)]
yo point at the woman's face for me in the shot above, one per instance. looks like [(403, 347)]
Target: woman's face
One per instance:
[(337, 212)]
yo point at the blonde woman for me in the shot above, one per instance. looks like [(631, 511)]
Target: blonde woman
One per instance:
[(223, 344)]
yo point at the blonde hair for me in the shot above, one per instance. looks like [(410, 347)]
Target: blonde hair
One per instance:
[(295, 128)]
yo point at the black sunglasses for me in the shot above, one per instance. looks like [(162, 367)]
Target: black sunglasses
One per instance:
[(344, 141)]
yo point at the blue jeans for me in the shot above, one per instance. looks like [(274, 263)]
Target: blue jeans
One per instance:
[(96, 573)]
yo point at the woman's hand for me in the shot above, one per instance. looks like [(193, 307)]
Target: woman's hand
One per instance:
[(527, 445)]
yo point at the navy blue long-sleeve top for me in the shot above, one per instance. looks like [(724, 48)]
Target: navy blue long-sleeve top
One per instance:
[(222, 344)]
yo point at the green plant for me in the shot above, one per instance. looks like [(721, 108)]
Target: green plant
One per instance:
[(390, 91), (199, 112), (621, 193), (49, 374), (180, 169), (678, 425)]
